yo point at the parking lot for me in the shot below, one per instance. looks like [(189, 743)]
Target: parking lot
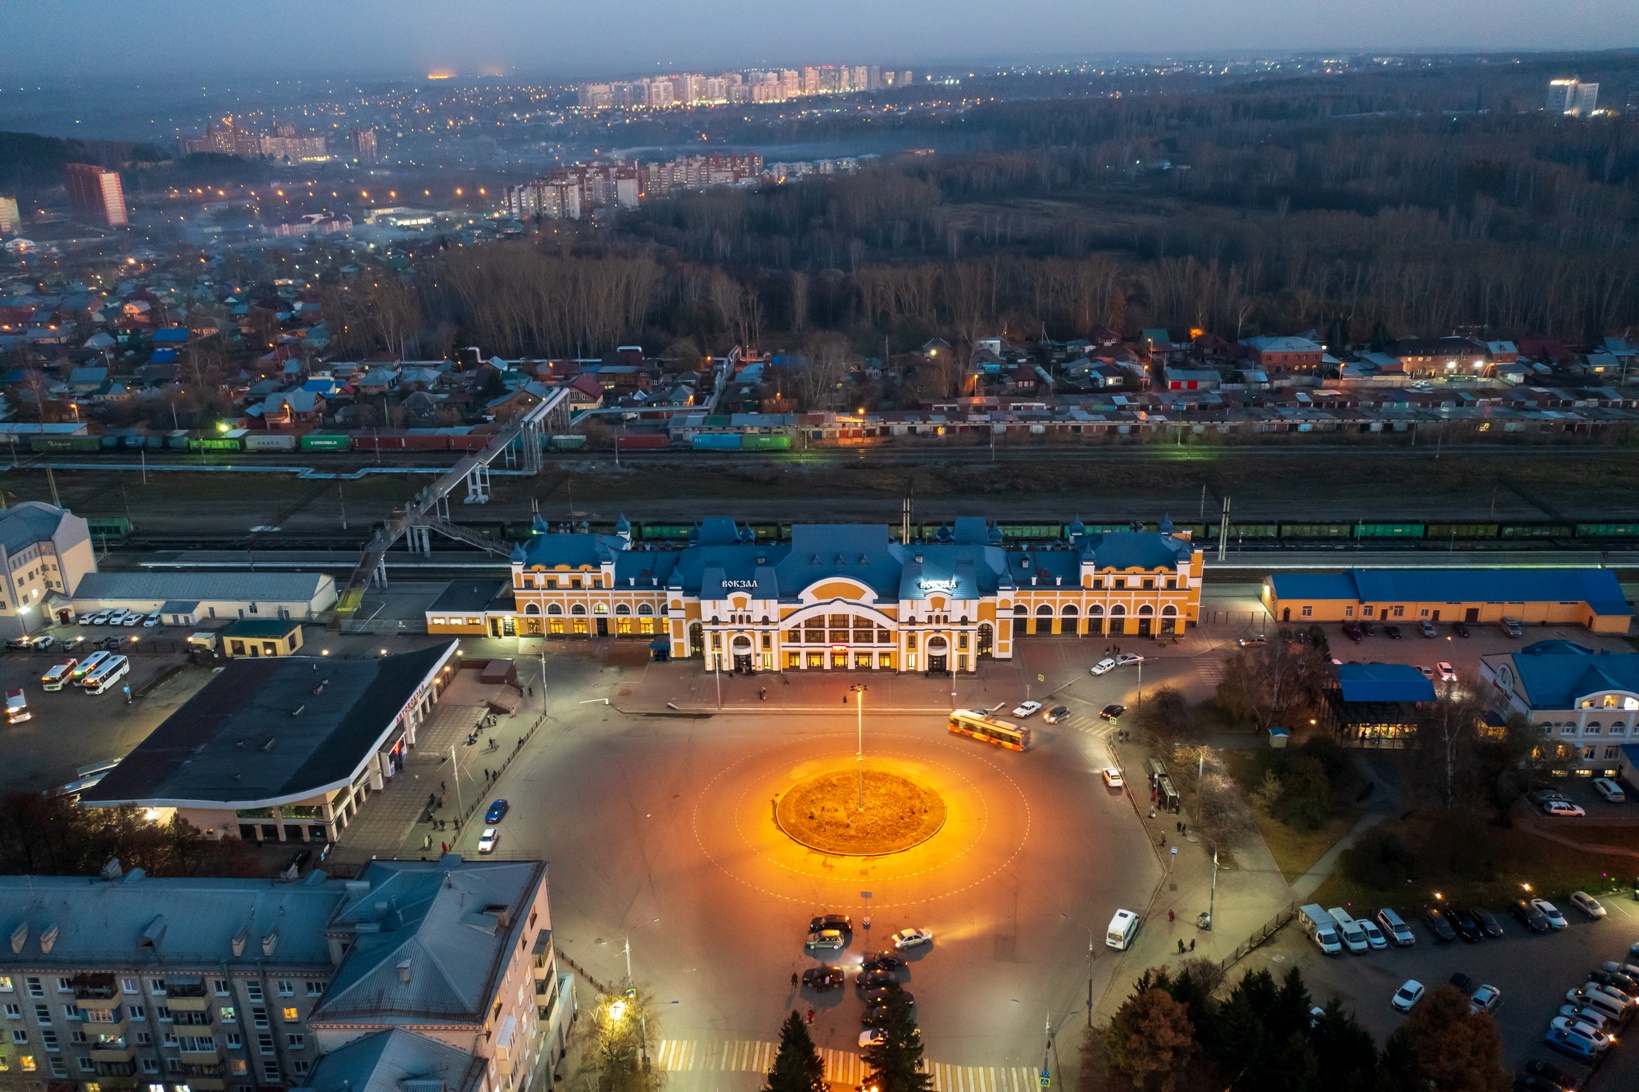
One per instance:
[(1533, 971), (70, 728)]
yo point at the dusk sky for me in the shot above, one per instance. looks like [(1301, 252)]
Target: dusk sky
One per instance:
[(165, 39)]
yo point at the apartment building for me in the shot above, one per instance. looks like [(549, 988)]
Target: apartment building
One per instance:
[(44, 553), (431, 967), (460, 952), (200, 984)]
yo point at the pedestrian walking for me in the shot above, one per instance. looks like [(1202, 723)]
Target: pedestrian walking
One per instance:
[(1163, 838), (444, 847), (443, 787), (1180, 945), (1192, 944), (532, 691), (810, 1016), (793, 979), (1152, 811), (426, 841), (1169, 917)]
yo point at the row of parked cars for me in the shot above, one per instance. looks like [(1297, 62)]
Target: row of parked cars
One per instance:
[(1554, 802), (878, 983), (1357, 631), (1584, 1027)]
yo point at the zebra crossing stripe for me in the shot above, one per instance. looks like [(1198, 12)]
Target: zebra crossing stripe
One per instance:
[(841, 1066)]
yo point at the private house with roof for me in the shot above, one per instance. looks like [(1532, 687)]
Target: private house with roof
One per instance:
[(1584, 701), (1591, 598), (282, 748), (843, 596)]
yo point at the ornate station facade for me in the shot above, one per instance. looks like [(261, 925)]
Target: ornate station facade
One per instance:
[(842, 596)]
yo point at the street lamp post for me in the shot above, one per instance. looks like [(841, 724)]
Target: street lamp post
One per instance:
[(1140, 700), (1090, 950), (859, 722), (455, 768)]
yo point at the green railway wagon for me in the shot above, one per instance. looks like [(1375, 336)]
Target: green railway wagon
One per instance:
[(47, 444), (1031, 532), (1390, 530), (106, 528), (751, 442), (666, 532), (325, 441), (1240, 532), (1311, 531), (1450, 531), (1607, 530), (214, 443)]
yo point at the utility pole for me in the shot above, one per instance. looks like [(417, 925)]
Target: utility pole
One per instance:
[(455, 769), (1223, 531), (859, 722)]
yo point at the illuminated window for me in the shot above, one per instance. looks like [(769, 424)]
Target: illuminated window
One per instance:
[(291, 1013), (25, 1062)]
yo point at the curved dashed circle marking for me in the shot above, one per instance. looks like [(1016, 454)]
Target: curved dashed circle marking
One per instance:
[(741, 811)]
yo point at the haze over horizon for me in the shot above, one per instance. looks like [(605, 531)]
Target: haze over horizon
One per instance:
[(522, 38)]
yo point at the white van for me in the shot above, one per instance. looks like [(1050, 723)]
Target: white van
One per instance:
[(1320, 927), (1354, 937), (1609, 789), (1123, 928)]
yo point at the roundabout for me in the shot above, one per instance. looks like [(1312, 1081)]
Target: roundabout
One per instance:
[(860, 814), (941, 817)]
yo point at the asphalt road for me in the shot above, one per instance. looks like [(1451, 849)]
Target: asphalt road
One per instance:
[(658, 829)]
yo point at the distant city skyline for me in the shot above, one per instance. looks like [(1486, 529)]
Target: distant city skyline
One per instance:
[(529, 38)]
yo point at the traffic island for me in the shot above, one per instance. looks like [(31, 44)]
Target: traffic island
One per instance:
[(823, 813)]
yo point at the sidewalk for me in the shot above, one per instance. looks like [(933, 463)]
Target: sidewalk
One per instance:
[(1250, 891), (681, 687), (389, 824)]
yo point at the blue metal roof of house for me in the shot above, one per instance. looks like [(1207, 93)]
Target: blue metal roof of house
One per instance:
[(174, 335), (1598, 588), (1384, 682), (1556, 679)]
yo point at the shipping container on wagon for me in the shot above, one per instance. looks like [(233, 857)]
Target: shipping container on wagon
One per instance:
[(464, 439), (643, 441), (216, 443), (324, 441), (716, 441), (177, 439), (65, 443), (378, 441), (270, 441), (568, 442), (425, 439), (753, 442)]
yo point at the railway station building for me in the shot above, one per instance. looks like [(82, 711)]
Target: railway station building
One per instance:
[(844, 596), (1591, 598)]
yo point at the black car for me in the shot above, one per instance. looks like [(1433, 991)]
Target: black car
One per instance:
[(827, 977), (1437, 924), (842, 923), (1488, 921), (298, 860), (873, 979), (1467, 926), (1392, 633), (1529, 916), (882, 961), (1369, 628), (1056, 714), (1463, 984), (1112, 712), (1352, 631), (881, 995), (1528, 1082), (1620, 982), (1550, 1073), (876, 1013), (1460, 628)]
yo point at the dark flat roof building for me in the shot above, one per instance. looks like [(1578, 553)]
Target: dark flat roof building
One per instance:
[(284, 748)]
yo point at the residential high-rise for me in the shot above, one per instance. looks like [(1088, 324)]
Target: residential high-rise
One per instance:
[(11, 221), (1572, 96), (363, 143), (95, 194), (874, 78)]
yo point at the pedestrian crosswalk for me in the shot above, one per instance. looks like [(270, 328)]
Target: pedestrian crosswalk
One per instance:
[(1210, 669), (841, 1066)]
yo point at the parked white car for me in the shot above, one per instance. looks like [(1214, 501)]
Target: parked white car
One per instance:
[(1127, 659), (1556, 920), (1106, 664), (1588, 904), (1609, 789), (1028, 709), (1407, 995)]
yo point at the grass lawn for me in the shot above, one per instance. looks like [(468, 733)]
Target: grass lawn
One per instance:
[(1486, 865), (1296, 851)]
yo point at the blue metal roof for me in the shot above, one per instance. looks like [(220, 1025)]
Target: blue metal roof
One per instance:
[(1384, 682), (1597, 588), (1558, 679)]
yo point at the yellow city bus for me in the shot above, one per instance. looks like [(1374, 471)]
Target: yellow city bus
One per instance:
[(967, 722)]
